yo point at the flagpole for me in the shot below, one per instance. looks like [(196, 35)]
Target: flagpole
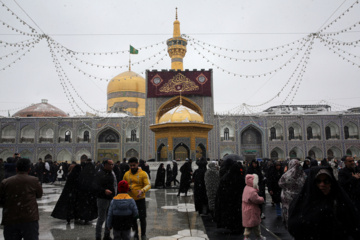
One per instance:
[(130, 58)]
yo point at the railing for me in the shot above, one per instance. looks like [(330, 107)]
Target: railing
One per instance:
[(280, 138), (27, 140), (42, 140), (230, 139), (80, 140), (130, 140), (352, 137), (7, 140), (61, 140), (296, 138)]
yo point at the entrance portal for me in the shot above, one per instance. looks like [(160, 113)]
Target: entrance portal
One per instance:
[(181, 152)]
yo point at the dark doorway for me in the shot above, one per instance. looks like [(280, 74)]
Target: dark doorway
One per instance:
[(181, 151)]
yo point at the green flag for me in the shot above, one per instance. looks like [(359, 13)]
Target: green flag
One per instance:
[(133, 50)]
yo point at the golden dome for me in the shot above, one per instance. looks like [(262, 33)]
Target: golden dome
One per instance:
[(181, 114), (126, 92), (127, 81)]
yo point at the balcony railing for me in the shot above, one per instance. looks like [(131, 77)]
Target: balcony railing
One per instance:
[(318, 137), (230, 139), (45, 140), (296, 138), (81, 140), (351, 137), (280, 138), (62, 140), (132, 140), (7, 140), (27, 140)]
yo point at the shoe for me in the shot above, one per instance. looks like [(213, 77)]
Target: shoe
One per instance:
[(261, 237), (262, 215), (247, 238)]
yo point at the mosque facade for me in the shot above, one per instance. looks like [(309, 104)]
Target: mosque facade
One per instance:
[(170, 115)]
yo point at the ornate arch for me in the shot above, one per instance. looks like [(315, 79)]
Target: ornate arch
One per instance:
[(173, 102)]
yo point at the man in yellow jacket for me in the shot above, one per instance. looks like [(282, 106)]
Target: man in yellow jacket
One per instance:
[(139, 184)]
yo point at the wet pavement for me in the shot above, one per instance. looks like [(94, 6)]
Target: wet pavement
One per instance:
[(169, 218)]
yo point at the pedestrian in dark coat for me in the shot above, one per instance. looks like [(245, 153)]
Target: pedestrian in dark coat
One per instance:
[(313, 163), (323, 210), (145, 167), (10, 167), (175, 172), (169, 175), (65, 207), (124, 167), (200, 197), (349, 180), (86, 196), (212, 181), (273, 185), (160, 177), (185, 179), (2, 171), (228, 212), (225, 166), (254, 168)]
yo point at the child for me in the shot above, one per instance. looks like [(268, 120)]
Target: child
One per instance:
[(250, 207), (121, 213)]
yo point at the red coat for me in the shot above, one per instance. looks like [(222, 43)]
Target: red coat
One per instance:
[(250, 202)]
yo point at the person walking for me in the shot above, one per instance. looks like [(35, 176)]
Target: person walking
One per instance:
[(139, 184), (200, 197), (124, 167), (106, 189), (212, 180), (18, 196), (185, 179), (169, 176), (291, 184), (250, 207), (273, 185), (175, 172), (121, 213), (160, 177), (66, 206)]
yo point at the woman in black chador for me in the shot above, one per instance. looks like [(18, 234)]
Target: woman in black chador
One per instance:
[(160, 177), (169, 175), (254, 168), (323, 210), (185, 179), (65, 207), (228, 212), (200, 197)]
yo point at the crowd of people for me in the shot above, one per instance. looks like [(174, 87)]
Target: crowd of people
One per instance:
[(314, 200)]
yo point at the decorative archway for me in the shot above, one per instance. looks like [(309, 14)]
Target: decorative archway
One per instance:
[(200, 151), (315, 153), (162, 153), (277, 154), (251, 143), (109, 136), (132, 153), (181, 151)]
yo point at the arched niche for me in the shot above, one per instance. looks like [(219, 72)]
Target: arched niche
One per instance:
[(294, 132), (277, 154), (82, 152), (276, 132), (162, 153), (5, 154), (296, 153), (132, 153), (27, 134), (351, 131), (332, 131), (109, 136), (83, 134), (334, 152), (64, 155), (27, 154), (313, 131), (46, 134), (8, 134), (174, 102), (181, 151), (200, 151), (316, 153)]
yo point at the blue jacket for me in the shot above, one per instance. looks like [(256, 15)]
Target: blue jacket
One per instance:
[(122, 211)]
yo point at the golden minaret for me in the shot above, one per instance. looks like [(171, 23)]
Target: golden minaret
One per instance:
[(177, 47)]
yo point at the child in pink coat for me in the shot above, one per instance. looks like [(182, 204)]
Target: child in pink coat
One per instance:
[(250, 207)]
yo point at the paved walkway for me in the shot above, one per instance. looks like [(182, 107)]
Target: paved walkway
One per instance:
[(169, 218)]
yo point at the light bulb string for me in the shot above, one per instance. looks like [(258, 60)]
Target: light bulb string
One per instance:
[(18, 30)]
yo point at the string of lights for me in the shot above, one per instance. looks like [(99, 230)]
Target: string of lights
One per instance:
[(19, 58), (113, 52), (341, 31), (247, 59), (18, 18), (339, 17), (334, 41), (243, 50), (24, 43), (18, 30), (342, 50), (254, 75), (345, 58)]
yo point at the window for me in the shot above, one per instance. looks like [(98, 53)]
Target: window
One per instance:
[(133, 135), (309, 133), (86, 136), (67, 136), (346, 132), (110, 138), (327, 132), (272, 133), (226, 134), (291, 133)]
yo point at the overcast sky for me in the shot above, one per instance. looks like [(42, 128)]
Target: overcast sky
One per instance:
[(247, 25)]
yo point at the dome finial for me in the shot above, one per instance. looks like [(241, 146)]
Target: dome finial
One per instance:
[(180, 98), (176, 18)]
